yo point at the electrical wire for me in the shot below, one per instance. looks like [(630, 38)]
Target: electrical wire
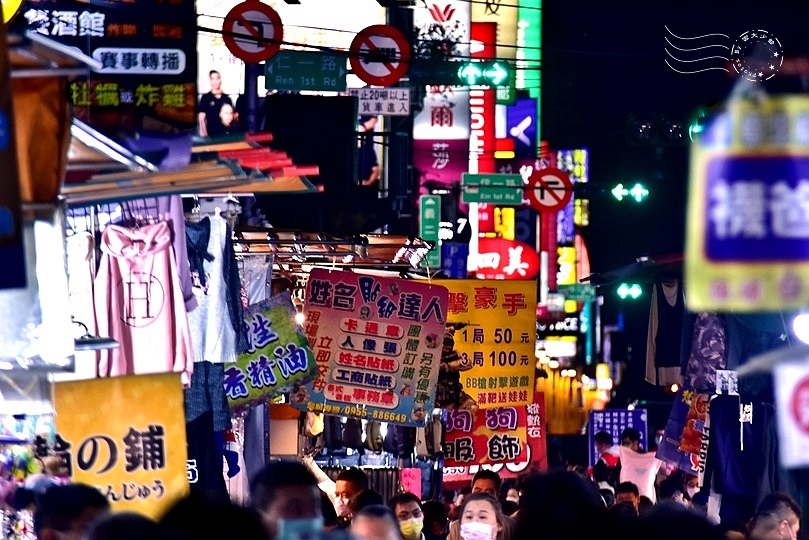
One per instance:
[(521, 64)]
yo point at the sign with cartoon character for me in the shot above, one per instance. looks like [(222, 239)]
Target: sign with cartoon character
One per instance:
[(377, 343)]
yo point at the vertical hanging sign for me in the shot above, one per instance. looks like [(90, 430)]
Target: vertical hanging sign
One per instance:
[(11, 246)]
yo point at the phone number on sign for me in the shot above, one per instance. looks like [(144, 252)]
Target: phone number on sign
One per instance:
[(388, 416)]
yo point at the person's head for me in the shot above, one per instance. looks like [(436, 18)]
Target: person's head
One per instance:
[(778, 517), (226, 114), (671, 490), (409, 513), (216, 80), (125, 526), (488, 482), (375, 522), (513, 495), (481, 517), (202, 516), (627, 492), (286, 495), (630, 438), (603, 441), (644, 505), (65, 512), (436, 517), (366, 497), (349, 482), (691, 483), (734, 530)]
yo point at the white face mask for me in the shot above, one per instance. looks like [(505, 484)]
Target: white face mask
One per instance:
[(475, 530), (341, 507), (691, 491)]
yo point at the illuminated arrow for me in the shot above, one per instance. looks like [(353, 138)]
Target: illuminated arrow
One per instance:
[(470, 73), (639, 192), (619, 192), (633, 291), (496, 74)]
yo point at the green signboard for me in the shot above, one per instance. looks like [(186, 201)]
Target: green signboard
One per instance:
[(504, 189), (505, 95), (305, 70), (429, 220), (278, 358), (579, 292)]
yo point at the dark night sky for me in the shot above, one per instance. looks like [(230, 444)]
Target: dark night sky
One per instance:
[(605, 60)]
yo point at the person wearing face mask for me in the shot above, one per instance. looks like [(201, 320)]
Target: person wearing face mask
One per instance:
[(349, 484), (485, 482), (410, 514), (671, 492), (481, 518), (691, 486), (286, 496), (778, 518)]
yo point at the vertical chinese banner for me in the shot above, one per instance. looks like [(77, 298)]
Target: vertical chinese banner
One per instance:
[(485, 436), (533, 454), (135, 451), (495, 332), (147, 54), (377, 343), (278, 358)]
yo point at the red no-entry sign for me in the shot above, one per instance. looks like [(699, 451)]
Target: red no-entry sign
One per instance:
[(253, 31), (380, 55), (549, 190)]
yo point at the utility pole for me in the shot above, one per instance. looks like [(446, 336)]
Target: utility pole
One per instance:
[(401, 180)]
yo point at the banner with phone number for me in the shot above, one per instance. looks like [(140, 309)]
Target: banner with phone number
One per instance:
[(377, 343)]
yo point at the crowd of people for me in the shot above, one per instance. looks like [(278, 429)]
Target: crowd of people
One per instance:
[(290, 502)]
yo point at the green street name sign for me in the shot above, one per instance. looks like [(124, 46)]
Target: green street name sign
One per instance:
[(505, 189), (578, 292), (429, 223), (305, 70)]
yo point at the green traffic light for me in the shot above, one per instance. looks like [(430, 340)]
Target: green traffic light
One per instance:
[(470, 74), (483, 74), (629, 290), (637, 192)]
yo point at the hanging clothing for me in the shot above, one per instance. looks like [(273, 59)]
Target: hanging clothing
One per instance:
[(80, 248), (214, 332), (139, 303), (641, 470), (170, 210), (256, 274), (708, 352), (665, 332)]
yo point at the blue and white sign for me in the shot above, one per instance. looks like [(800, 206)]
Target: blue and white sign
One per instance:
[(614, 422)]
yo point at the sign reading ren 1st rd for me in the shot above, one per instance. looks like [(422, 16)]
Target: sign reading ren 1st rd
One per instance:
[(305, 70), (505, 189)]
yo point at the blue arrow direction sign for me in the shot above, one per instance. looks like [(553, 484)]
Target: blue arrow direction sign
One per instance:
[(305, 70)]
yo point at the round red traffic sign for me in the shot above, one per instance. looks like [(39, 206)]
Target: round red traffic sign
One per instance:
[(549, 190), (380, 55), (253, 31)]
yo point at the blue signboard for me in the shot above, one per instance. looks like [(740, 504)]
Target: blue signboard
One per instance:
[(614, 421)]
